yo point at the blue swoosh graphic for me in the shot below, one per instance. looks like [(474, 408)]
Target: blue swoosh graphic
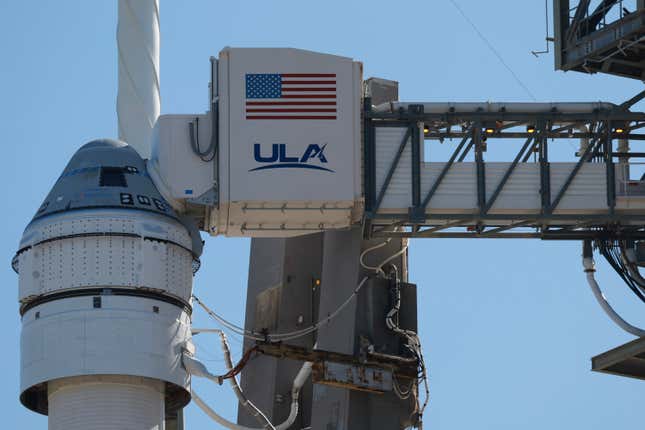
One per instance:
[(292, 166)]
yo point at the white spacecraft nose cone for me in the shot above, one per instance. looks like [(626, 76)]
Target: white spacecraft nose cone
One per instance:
[(105, 280)]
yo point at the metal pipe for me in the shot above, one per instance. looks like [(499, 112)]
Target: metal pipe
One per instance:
[(215, 416), (589, 267), (196, 368), (241, 397), (138, 99), (584, 141)]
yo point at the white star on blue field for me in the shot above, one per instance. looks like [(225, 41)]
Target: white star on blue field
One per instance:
[(263, 86)]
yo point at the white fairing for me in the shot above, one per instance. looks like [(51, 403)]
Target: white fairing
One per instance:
[(104, 292), (124, 336), (106, 403), (299, 189), (138, 100)]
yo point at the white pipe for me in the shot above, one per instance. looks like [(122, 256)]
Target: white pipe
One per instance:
[(584, 141), (235, 386), (138, 99), (471, 107), (197, 368), (590, 269), (298, 382), (214, 415)]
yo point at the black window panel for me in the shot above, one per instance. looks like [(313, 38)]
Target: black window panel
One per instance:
[(112, 177)]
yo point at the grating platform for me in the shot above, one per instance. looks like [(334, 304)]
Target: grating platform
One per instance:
[(625, 360)]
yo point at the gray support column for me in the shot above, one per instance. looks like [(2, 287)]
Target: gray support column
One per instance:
[(360, 324), (282, 296)]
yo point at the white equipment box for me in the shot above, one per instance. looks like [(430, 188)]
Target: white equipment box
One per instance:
[(289, 146), (179, 173), (289, 142)]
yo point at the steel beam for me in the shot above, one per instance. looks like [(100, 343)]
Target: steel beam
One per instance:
[(362, 323), (282, 296)]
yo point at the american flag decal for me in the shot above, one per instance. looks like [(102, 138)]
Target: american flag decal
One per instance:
[(295, 96)]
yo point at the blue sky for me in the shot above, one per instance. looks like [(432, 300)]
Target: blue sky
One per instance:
[(508, 327)]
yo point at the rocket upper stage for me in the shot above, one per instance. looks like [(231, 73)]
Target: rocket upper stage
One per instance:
[(105, 281)]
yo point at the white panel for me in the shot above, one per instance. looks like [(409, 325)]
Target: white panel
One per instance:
[(105, 221), (387, 143), (104, 261), (185, 175), (106, 403), (458, 190), (125, 336), (98, 260), (587, 191), (153, 262), (521, 191), (337, 135), (29, 281)]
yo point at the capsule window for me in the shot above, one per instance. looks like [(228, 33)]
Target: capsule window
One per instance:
[(112, 177)]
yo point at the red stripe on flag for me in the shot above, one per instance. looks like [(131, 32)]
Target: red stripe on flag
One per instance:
[(308, 82), (291, 110), (289, 117), (308, 75), (324, 103), (309, 89), (309, 96)]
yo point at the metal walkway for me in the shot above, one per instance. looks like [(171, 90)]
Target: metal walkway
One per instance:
[(590, 197)]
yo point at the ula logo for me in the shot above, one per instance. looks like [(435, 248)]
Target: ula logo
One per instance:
[(278, 158)]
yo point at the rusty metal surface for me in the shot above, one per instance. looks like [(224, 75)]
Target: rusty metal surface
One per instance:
[(374, 373), (353, 377)]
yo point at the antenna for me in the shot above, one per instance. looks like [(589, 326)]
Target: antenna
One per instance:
[(547, 38)]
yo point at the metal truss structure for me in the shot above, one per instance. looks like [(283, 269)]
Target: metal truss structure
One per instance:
[(606, 36), (479, 130)]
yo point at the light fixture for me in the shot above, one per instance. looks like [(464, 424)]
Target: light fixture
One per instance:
[(489, 130), (619, 130), (530, 129)]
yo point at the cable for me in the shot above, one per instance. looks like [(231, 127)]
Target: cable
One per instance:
[(413, 343), (376, 269), (589, 268), (609, 250), (280, 337), (493, 50), (298, 382), (193, 132), (629, 260), (197, 368)]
